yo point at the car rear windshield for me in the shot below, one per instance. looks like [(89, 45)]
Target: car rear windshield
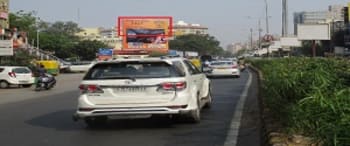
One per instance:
[(21, 70), (126, 70)]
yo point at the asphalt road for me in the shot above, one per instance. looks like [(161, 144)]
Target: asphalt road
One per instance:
[(30, 118)]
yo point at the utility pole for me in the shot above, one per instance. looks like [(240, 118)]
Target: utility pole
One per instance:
[(267, 16), (260, 30), (284, 18), (251, 38)]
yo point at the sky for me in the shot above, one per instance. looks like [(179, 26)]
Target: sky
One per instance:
[(228, 20)]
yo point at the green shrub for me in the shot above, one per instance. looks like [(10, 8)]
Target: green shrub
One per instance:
[(310, 96)]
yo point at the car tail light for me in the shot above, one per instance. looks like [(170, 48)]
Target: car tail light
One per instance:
[(90, 89), (12, 74), (174, 86), (235, 66)]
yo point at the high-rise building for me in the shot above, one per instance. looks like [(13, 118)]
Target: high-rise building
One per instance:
[(234, 48), (333, 14)]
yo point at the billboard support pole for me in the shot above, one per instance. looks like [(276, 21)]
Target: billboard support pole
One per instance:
[(313, 48)]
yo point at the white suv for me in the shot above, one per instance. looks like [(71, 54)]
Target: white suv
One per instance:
[(15, 75), (142, 88)]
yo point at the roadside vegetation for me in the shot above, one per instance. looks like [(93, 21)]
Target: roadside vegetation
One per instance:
[(309, 96), (57, 37)]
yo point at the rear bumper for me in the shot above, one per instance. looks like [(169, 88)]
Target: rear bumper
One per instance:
[(90, 112), (24, 82)]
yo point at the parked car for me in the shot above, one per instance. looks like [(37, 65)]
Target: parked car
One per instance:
[(224, 68), (143, 87), (16, 75)]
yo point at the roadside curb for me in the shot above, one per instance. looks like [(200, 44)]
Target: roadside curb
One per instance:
[(233, 132), (264, 130)]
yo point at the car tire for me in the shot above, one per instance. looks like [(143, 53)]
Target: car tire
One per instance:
[(94, 122), (4, 84), (195, 115), (27, 86), (209, 99)]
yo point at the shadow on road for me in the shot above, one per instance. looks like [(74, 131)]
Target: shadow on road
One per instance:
[(60, 120)]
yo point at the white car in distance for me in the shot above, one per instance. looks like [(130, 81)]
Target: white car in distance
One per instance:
[(142, 88), (16, 75), (223, 68)]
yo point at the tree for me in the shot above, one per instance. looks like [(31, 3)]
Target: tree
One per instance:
[(59, 37), (87, 49), (203, 44)]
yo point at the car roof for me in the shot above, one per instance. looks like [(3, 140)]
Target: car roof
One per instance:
[(150, 59)]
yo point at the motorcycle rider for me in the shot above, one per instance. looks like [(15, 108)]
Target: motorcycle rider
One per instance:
[(42, 74)]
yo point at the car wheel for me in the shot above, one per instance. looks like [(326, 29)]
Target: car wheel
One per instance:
[(27, 86), (209, 99), (94, 122), (195, 115), (4, 84)]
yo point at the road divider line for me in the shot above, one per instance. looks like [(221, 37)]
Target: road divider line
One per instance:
[(232, 134)]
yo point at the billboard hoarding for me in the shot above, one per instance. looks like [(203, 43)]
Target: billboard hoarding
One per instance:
[(290, 42), (313, 32), (6, 48), (145, 33)]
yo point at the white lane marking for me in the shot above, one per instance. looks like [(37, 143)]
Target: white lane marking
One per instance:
[(232, 134)]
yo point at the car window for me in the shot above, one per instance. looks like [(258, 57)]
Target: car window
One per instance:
[(179, 67), (192, 69), (21, 70), (134, 69)]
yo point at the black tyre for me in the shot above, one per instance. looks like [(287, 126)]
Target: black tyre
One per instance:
[(195, 115), (4, 84), (27, 86), (209, 99)]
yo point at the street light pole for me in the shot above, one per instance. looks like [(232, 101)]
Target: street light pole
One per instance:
[(251, 38), (37, 38), (37, 33), (260, 30), (267, 16)]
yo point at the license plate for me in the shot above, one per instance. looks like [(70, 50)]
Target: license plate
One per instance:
[(130, 89)]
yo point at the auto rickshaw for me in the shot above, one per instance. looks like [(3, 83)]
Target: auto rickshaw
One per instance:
[(52, 67)]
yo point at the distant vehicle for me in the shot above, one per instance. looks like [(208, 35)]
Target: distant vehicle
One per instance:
[(142, 88), (205, 60), (52, 66), (16, 75), (46, 82), (224, 68), (80, 66)]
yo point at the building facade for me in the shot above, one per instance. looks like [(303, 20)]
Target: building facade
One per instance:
[(332, 15), (315, 17), (105, 35), (234, 48), (4, 14), (182, 28)]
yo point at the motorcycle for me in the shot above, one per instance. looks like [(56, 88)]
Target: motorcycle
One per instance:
[(45, 82)]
